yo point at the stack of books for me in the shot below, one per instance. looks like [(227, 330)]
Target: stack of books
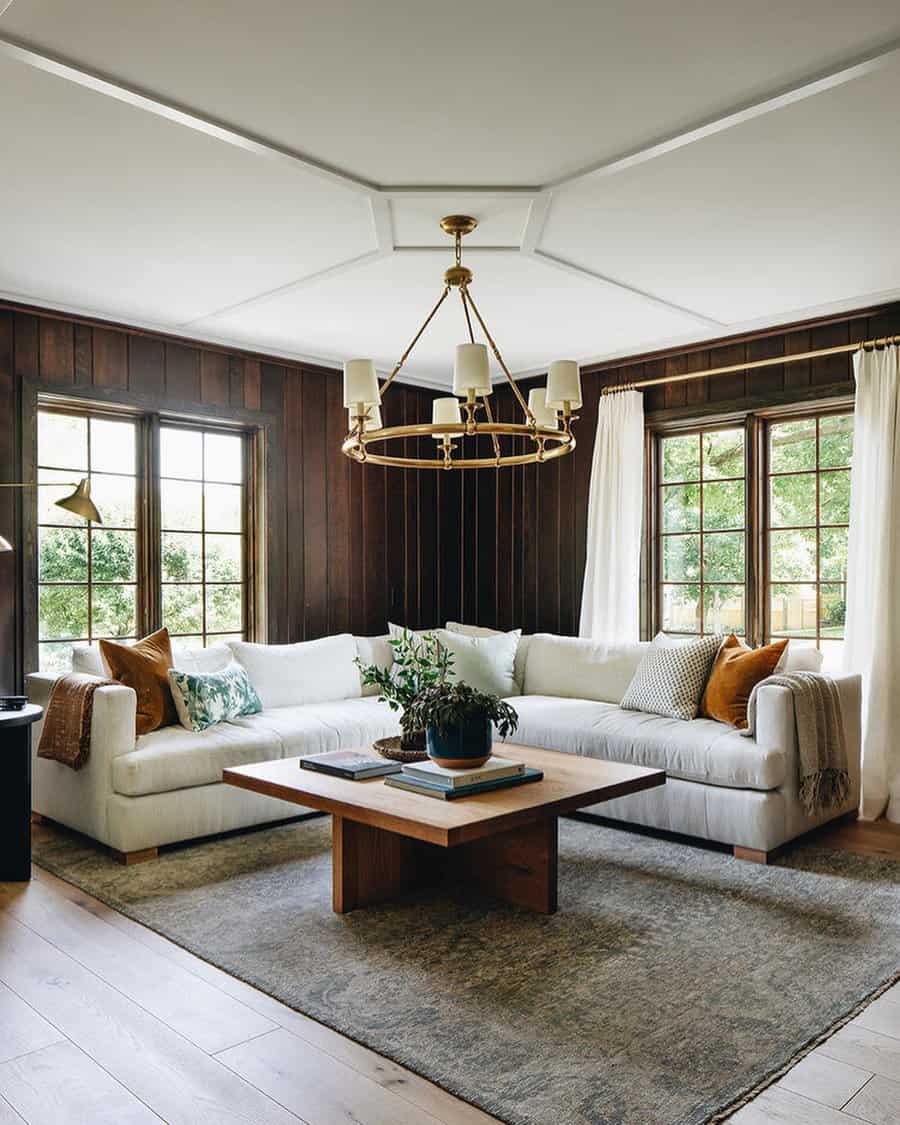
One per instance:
[(432, 780)]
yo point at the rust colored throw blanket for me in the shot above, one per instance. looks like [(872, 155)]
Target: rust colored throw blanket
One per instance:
[(66, 736)]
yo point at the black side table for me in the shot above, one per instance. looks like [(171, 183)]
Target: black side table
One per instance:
[(15, 792)]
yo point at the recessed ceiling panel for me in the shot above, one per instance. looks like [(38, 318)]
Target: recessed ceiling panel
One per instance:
[(790, 211), (110, 209), (534, 312), (412, 91)]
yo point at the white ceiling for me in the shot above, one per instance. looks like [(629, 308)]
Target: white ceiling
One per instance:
[(343, 131)]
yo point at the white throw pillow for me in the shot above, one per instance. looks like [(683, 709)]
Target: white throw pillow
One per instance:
[(671, 677), (480, 631), (374, 650), (318, 671), (485, 663), (800, 658), (578, 668)]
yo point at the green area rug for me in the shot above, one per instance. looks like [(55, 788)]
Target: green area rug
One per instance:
[(673, 979)]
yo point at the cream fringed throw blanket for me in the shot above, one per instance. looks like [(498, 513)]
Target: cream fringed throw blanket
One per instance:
[(824, 772), (66, 736)]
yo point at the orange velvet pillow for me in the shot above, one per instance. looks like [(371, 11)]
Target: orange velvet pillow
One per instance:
[(144, 666), (737, 670)]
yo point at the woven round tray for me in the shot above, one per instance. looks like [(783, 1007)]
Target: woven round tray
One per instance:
[(391, 748)]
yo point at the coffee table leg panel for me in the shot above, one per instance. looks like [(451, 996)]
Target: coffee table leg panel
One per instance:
[(518, 866), (371, 865)]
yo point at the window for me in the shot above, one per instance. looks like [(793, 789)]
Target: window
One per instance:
[(808, 468), (87, 574), (201, 511), (702, 532), (116, 579)]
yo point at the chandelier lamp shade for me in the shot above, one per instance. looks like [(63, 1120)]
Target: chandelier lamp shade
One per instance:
[(460, 423)]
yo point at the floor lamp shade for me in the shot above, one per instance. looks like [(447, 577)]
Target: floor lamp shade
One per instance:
[(80, 502), (360, 383), (5, 545)]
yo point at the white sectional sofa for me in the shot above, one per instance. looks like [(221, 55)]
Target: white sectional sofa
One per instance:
[(135, 795)]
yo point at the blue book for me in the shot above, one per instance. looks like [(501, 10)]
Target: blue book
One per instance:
[(445, 794)]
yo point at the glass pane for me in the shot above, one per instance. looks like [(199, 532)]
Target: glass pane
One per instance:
[(792, 610), (723, 454), (792, 556), (62, 612), (181, 453), (792, 446), (113, 556), (112, 446), (834, 497), (681, 457), (835, 441), (223, 458), (223, 507), (62, 441), (183, 608), (181, 505), (681, 507), (47, 497), (723, 505), (681, 558), (681, 609), (115, 499), (832, 610), (792, 500), (62, 554), (56, 657), (723, 609), (833, 554), (723, 557), (113, 611), (182, 556), (224, 558), (832, 656), (223, 607)]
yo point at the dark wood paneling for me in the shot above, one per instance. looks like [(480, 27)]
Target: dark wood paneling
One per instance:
[(110, 358), (56, 351), (182, 372), (214, 382), (147, 367)]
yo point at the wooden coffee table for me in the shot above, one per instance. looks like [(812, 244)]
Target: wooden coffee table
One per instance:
[(387, 840)]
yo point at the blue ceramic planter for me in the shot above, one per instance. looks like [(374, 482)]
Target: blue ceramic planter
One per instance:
[(465, 745)]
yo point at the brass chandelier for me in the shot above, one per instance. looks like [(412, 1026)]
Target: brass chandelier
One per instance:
[(545, 431)]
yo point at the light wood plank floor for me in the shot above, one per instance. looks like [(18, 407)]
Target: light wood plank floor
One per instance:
[(104, 1021)]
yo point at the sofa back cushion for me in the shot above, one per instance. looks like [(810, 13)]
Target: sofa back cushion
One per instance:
[(318, 671), (86, 659), (486, 663), (374, 650), (577, 668)]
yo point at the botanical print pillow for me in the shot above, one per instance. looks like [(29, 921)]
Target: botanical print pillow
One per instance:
[(204, 699)]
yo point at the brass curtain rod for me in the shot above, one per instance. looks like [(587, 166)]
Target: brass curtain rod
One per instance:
[(773, 361)]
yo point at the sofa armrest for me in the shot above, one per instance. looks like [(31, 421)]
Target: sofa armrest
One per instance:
[(112, 720)]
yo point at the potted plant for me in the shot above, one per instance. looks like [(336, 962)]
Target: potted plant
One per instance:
[(419, 662), (458, 722)]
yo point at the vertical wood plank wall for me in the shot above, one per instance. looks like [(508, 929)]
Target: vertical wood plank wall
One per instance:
[(524, 532), (348, 546)]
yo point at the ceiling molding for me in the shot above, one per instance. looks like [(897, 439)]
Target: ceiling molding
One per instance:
[(592, 275), (535, 222), (382, 223), (849, 71), (447, 247)]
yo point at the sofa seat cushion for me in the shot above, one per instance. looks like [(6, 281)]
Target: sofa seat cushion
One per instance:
[(696, 750), (316, 727), (175, 758)]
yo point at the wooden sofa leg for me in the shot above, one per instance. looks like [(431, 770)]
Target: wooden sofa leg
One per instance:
[(128, 858), (36, 818), (752, 855)]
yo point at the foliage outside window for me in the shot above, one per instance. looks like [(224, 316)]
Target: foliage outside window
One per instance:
[(702, 539), (808, 515), (201, 510), (87, 573), (94, 581)]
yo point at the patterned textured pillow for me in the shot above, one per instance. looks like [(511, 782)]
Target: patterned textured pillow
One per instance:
[(204, 699), (671, 677)]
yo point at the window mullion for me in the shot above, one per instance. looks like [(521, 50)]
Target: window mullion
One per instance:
[(149, 539)]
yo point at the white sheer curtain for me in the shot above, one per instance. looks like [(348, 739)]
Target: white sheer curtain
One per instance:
[(872, 644), (610, 603)]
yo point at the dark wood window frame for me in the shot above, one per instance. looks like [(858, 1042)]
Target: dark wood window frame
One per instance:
[(147, 502), (756, 499)]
